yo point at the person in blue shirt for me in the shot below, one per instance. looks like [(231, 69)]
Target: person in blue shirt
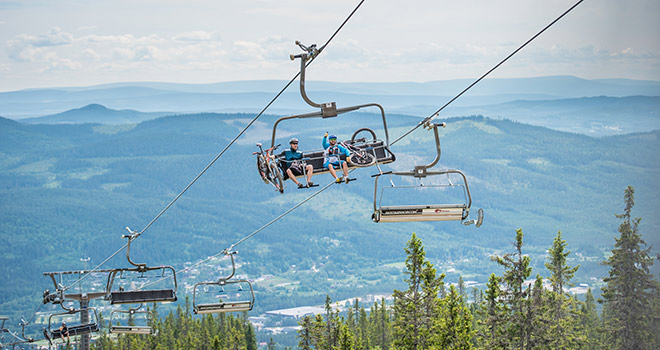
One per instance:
[(293, 164), (332, 157)]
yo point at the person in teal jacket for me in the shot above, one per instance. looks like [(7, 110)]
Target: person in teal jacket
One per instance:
[(293, 164), (331, 157)]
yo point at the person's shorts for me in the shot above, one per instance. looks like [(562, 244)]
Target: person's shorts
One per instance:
[(326, 163), (297, 169)]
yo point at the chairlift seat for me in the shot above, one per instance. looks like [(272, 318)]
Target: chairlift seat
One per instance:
[(316, 158), (73, 331), (131, 330), (223, 307), (436, 212), (142, 296)]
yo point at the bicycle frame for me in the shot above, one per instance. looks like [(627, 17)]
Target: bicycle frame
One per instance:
[(270, 169)]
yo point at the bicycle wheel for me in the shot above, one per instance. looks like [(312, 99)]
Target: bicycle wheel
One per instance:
[(362, 158), (278, 180), (363, 135), (262, 167)]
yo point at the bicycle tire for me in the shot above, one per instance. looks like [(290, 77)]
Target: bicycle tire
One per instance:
[(362, 159), (278, 180), (369, 131), (262, 167)]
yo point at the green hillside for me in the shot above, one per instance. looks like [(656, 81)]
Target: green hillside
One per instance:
[(68, 192)]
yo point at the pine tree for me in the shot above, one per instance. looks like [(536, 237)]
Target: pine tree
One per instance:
[(455, 327), (380, 325), (538, 317), (561, 274), (631, 291), (415, 308), (492, 328), (305, 333), (271, 345), (517, 271), (565, 331), (590, 322)]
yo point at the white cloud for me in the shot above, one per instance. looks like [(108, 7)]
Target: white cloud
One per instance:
[(54, 37), (196, 36), (212, 40), (63, 64), (91, 55)]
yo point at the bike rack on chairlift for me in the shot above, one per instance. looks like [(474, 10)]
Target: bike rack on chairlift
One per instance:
[(224, 306), (128, 329), (122, 296), (426, 212), (81, 329), (379, 148)]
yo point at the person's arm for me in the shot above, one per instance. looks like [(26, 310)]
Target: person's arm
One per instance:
[(326, 144)]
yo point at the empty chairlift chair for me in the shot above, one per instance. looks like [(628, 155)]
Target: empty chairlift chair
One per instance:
[(428, 211), (244, 302), (134, 315), (140, 296)]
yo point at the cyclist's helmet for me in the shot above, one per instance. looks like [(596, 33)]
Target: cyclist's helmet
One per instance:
[(293, 140), (332, 137)]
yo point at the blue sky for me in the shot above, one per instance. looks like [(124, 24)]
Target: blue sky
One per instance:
[(86, 42)]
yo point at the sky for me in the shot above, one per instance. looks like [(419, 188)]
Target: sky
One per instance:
[(47, 43)]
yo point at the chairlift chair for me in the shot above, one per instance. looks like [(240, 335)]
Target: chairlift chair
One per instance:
[(140, 296), (224, 306), (363, 138), (426, 212), (128, 329), (78, 329)]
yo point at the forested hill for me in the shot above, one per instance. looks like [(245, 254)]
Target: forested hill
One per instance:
[(69, 191)]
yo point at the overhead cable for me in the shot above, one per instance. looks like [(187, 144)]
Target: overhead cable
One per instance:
[(487, 73)]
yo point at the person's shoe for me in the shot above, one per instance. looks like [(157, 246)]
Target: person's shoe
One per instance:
[(301, 186), (310, 184), (346, 179), (338, 180)]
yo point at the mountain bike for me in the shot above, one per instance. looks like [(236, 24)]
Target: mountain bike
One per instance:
[(359, 147), (269, 167)]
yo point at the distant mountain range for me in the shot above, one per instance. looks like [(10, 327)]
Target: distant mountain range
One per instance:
[(95, 113), (251, 96), (595, 116)]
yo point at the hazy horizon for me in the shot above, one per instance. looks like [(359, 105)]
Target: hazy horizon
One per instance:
[(69, 43)]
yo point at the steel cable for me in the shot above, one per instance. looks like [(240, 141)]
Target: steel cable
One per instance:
[(487, 73), (136, 235)]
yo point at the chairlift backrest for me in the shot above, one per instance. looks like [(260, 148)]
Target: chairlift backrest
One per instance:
[(426, 211), (76, 329), (130, 329), (224, 306), (142, 295)]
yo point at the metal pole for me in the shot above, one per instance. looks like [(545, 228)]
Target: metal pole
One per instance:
[(84, 319)]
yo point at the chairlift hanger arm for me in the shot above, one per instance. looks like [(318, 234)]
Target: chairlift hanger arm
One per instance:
[(339, 111), (328, 110)]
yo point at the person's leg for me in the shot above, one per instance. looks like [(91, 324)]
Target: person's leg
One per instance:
[(292, 177), (344, 167), (331, 168), (310, 170)]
